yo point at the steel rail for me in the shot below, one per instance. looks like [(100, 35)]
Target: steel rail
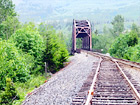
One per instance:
[(123, 61), (127, 79), (129, 82), (126, 62), (91, 91)]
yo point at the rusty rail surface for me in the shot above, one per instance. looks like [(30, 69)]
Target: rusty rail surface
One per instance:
[(91, 91), (129, 82), (128, 95)]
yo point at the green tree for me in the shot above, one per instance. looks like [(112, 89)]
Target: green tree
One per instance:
[(105, 30), (96, 32), (122, 43), (10, 93), (13, 64), (101, 42), (8, 20), (30, 41), (135, 28), (78, 43), (56, 52), (6, 9), (118, 25), (8, 27)]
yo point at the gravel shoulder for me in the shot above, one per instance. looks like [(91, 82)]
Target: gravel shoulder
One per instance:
[(134, 72), (62, 87)]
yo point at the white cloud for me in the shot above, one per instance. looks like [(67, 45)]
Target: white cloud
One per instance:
[(17, 2)]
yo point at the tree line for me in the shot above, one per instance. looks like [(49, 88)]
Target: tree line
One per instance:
[(117, 41), (25, 50)]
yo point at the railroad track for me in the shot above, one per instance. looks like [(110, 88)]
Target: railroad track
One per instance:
[(108, 84)]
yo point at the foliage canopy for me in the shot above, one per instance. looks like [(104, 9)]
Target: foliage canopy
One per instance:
[(29, 41), (121, 45), (13, 64)]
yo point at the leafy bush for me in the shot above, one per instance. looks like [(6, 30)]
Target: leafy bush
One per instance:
[(29, 41), (10, 94), (13, 64), (133, 53), (121, 45)]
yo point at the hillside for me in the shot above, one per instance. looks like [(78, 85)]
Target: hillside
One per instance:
[(97, 11)]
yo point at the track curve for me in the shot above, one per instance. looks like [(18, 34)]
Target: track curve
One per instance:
[(111, 87)]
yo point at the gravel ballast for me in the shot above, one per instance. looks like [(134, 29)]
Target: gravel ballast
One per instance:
[(135, 73), (62, 87)]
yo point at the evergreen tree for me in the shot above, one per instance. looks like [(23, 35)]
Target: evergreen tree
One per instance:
[(56, 52)]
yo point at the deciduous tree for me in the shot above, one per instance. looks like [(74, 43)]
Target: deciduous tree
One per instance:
[(118, 25), (6, 9)]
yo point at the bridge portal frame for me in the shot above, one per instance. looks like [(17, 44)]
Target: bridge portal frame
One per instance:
[(82, 29)]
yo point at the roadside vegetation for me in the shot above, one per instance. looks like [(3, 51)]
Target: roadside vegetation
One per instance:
[(27, 53)]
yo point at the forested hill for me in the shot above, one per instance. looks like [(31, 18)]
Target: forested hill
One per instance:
[(94, 10)]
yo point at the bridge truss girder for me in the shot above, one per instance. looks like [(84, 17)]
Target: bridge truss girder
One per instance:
[(82, 29)]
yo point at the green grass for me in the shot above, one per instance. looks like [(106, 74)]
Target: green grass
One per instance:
[(24, 88)]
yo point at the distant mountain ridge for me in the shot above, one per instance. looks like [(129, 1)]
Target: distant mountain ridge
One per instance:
[(101, 10)]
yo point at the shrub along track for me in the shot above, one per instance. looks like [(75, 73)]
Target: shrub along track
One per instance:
[(108, 84)]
